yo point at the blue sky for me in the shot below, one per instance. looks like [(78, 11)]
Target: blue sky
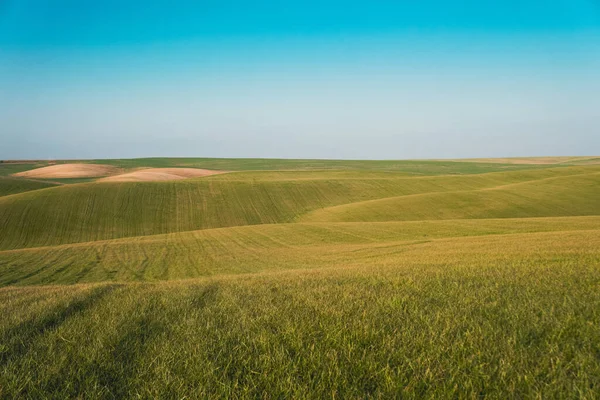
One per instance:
[(311, 79)]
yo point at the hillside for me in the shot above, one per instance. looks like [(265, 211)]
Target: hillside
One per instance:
[(9, 185), (413, 167), (560, 196), (98, 211), (260, 248), (71, 170), (439, 326), (302, 279)]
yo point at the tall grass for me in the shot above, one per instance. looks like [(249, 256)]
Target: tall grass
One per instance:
[(214, 288), (502, 329)]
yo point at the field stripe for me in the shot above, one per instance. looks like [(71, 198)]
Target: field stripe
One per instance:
[(88, 212), (316, 214), (524, 199), (209, 255)]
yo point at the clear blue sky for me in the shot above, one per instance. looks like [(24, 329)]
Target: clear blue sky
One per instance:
[(307, 79)]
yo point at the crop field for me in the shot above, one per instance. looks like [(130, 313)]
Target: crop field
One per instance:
[(9, 185), (302, 279)]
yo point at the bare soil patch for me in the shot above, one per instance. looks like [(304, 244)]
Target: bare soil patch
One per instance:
[(160, 174), (69, 171)]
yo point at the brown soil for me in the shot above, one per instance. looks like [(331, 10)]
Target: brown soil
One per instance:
[(160, 174), (69, 171)]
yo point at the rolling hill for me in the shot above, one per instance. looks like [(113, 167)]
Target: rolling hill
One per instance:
[(303, 279), (560, 196), (98, 211), (9, 185), (259, 248)]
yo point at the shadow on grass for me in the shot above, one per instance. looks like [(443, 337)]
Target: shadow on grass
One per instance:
[(117, 377), (128, 366), (16, 341)]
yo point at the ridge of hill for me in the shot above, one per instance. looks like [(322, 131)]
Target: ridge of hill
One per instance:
[(97, 211), (279, 247)]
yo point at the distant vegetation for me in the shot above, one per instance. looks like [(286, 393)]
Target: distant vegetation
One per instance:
[(416, 167), (303, 279)]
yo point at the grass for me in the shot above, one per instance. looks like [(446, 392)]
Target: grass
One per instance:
[(414, 167), (7, 169), (99, 211), (68, 181), (9, 185), (261, 248), (494, 328), (581, 160), (340, 279), (561, 196)]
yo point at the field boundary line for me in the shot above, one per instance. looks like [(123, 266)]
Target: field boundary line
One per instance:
[(301, 217), (160, 237)]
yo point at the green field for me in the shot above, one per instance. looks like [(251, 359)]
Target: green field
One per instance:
[(304, 279), (10, 185), (414, 167)]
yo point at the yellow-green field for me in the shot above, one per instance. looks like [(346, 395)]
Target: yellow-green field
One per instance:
[(304, 279)]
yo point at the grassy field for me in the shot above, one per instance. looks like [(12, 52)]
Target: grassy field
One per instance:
[(260, 248), (562, 196), (304, 279), (99, 211), (415, 167), (9, 185), (538, 160), (7, 169)]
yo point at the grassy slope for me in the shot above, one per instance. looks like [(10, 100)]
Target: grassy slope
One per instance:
[(505, 308), (587, 161), (523, 325), (417, 167), (96, 211), (412, 167), (561, 196), (538, 160), (281, 247), (10, 186), (110, 210), (7, 169)]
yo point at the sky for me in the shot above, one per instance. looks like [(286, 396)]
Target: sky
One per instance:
[(299, 79)]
